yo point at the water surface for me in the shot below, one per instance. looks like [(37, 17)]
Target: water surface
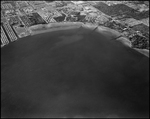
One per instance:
[(73, 73)]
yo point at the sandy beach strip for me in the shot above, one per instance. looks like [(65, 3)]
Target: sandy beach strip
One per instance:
[(110, 33)]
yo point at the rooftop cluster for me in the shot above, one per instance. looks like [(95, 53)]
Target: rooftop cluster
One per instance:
[(129, 18)]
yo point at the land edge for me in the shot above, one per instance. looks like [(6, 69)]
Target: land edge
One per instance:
[(43, 28)]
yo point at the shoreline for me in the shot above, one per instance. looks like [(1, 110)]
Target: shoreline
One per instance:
[(45, 28), (38, 29)]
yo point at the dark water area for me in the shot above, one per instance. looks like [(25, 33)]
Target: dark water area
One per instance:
[(70, 73)]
